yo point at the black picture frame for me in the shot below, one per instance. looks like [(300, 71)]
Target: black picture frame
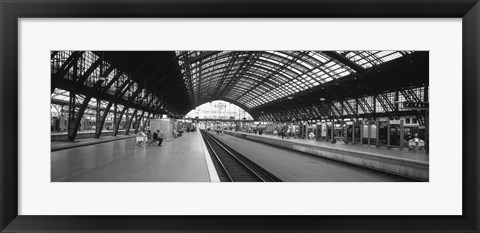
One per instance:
[(12, 10)]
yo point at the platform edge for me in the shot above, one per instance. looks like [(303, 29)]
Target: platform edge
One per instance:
[(208, 159)]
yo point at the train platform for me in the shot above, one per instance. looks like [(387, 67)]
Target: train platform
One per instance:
[(62, 136), (183, 159), (63, 145), (295, 166), (413, 164)]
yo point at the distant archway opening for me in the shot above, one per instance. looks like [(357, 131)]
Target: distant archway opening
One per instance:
[(219, 109)]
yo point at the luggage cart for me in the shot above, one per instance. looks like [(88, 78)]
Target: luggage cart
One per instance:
[(141, 140)]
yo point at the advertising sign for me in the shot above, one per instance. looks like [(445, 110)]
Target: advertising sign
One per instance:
[(373, 131), (324, 129), (365, 131)]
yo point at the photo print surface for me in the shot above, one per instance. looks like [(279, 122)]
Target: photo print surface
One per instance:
[(239, 116)]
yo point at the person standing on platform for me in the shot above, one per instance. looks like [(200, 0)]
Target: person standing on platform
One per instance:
[(286, 131)]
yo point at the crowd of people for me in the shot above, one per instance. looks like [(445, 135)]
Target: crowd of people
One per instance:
[(283, 131), (159, 136), (258, 131), (177, 132)]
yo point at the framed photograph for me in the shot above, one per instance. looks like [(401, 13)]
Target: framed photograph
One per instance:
[(266, 116)]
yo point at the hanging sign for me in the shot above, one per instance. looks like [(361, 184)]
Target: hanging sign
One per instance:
[(415, 105)]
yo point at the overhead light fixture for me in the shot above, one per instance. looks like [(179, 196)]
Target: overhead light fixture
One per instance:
[(322, 99), (289, 97)]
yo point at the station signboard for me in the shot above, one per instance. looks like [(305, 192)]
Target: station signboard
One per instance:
[(415, 105), (394, 122)]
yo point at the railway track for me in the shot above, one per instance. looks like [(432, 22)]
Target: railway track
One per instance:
[(234, 167)]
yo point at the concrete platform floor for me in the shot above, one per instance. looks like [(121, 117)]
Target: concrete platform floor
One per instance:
[(404, 154), (293, 166), (84, 132), (54, 146), (180, 160)]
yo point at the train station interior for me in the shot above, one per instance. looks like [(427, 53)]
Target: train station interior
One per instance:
[(239, 116)]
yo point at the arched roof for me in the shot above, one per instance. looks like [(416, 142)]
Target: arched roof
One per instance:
[(255, 78), (260, 82)]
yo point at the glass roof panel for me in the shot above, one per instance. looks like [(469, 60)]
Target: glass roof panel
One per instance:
[(368, 59), (255, 78)]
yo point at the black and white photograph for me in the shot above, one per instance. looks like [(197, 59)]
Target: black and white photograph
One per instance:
[(239, 116)]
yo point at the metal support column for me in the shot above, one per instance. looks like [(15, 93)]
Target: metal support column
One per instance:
[(144, 126), (98, 130), (402, 134), (369, 133), (361, 133), (98, 120), (304, 128), (115, 132), (129, 122), (114, 118), (71, 115), (73, 132), (137, 126), (388, 133), (353, 132), (333, 132)]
